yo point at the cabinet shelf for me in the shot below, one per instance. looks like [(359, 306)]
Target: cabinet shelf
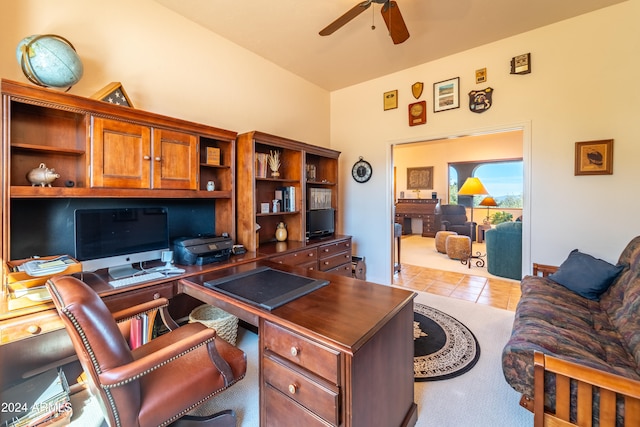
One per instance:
[(27, 192), (206, 165), (278, 213), (282, 180), (327, 183), (47, 149)]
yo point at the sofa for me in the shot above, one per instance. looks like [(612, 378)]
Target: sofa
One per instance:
[(454, 218), (585, 318), (504, 250)]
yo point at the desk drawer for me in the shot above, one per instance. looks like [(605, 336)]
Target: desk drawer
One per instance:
[(298, 257), (333, 248), (318, 398), (335, 260), (23, 327), (280, 411), (343, 270), (308, 354)]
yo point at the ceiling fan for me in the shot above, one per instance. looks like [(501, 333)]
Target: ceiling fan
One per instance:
[(390, 13)]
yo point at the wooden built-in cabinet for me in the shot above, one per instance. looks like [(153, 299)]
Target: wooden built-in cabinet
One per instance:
[(155, 158), (106, 151), (297, 159)]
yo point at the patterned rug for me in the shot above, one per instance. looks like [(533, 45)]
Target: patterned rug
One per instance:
[(444, 347)]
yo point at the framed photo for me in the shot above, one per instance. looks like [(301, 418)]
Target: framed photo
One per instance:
[(113, 93), (481, 76), (521, 64), (390, 100), (420, 178), (446, 95), (594, 157)]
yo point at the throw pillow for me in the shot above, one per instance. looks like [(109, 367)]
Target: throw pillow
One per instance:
[(585, 275)]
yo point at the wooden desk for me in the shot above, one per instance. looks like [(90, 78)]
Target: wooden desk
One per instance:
[(343, 353), (406, 209)]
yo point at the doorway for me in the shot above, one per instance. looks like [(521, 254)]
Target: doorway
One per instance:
[(439, 152)]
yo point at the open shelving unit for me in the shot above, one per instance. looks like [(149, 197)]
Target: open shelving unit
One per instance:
[(252, 190)]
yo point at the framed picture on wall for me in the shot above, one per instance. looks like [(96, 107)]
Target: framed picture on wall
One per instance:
[(390, 100), (420, 178), (446, 95), (594, 157)]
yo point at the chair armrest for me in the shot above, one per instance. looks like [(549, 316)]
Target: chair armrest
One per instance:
[(610, 386), (123, 374), (131, 312), (543, 270)]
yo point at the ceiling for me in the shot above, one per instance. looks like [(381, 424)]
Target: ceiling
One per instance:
[(285, 32)]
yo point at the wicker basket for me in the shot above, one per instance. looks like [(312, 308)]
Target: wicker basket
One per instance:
[(225, 324)]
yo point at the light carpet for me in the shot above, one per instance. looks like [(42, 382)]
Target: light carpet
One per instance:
[(478, 398), (421, 251)]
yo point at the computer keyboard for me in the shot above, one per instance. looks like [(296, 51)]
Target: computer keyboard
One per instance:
[(138, 278)]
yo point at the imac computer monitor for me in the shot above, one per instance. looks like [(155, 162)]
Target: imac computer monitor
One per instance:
[(117, 238)]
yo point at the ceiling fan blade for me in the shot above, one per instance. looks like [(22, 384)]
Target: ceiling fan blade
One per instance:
[(393, 18), (352, 13)]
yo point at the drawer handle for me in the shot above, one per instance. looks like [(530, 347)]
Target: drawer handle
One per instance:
[(326, 249), (326, 263), (295, 255), (295, 351), (157, 159), (33, 329), (146, 157), (293, 388), (348, 244), (310, 254), (156, 295)]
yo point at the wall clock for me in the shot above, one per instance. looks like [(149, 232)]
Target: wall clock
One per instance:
[(361, 170)]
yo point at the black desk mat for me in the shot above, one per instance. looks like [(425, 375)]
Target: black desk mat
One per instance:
[(265, 287)]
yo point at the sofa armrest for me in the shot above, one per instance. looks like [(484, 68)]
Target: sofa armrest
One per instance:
[(543, 270), (610, 387)]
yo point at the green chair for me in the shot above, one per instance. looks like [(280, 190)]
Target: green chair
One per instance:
[(504, 250)]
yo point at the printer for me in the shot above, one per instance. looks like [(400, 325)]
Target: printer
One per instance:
[(201, 250)]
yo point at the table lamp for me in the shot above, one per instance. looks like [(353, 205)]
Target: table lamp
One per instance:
[(473, 187), (488, 201)]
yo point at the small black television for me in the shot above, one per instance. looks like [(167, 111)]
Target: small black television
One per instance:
[(320, 222)]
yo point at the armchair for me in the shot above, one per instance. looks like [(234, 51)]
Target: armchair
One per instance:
[(504, 250), (157, 383), (454, 218)]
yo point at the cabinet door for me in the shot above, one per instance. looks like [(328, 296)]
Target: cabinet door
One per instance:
[(120, 154), (175, 160)]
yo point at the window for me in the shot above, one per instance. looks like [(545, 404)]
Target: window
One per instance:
[(503, 180)]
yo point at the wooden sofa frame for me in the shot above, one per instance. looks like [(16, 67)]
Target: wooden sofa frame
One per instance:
[(610, 387)]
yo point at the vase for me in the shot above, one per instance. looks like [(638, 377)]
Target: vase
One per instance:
[(281, 232)]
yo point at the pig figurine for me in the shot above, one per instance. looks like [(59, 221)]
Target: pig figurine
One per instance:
[(42, 176)]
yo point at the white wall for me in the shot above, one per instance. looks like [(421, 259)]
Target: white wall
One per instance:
[(169, 65), (441, 152), (583, 87)]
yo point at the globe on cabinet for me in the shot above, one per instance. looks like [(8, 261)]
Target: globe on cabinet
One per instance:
[(49, 60)]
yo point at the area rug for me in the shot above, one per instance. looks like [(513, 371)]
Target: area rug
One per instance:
[(443, 347)]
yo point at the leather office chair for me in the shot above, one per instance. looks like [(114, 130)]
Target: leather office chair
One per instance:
[(157, 383)]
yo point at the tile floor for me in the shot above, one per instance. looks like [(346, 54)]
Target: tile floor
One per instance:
[(500, 293)]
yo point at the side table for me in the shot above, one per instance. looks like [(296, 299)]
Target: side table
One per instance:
[(482, 228)]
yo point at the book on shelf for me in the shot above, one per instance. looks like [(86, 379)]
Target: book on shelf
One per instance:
[(137, 333), (213, 156), (287, 197)]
